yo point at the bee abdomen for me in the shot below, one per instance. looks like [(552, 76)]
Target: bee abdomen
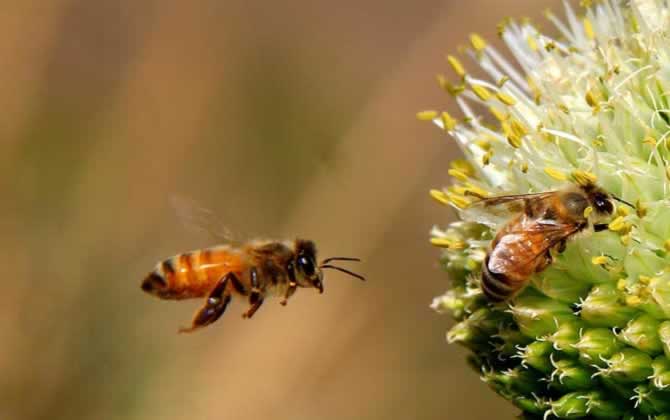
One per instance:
[(180, 277), (496, 286)]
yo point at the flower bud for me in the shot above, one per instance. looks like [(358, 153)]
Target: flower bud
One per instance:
[(539, 316), (642, 333), (603, 307), (628, 366), (596, 344)]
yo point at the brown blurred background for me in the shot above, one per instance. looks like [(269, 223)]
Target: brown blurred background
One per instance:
[(287, 118)]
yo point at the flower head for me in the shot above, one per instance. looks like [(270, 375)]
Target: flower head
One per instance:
[(590, 335)]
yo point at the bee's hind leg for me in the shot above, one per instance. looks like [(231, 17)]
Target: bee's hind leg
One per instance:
[(255, 296), (215, 305), (547, 259)]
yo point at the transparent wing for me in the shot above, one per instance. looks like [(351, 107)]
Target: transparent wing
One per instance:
[(493, 211), (200, 219), (542, 235)]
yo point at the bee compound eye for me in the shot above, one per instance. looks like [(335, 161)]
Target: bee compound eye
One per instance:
[(306, 265)]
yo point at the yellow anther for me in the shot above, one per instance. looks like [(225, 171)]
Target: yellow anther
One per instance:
[(456, 65), (593, 98), (622, 211), (556, 174), (459, 201), (588, 29), (617, 224), (486, 157), (599, 260), (427, 115), (502, 81), (471, 264), (499, 115), (462, 165), (550, 46), (439, 196), (666, 245), (442, 81), (640, 209), (621, 284), (447, 243), (502, 26), (650, 141), (633, 300), (460, 175), (448, 121), (532, 43), (455, 90), (644, 279), (524, 167), (483, 93), (588, 211), (586, 3), (584, 178), (483, 144), (518, 128), (667, 172), (479, 192), (625, 239), (477, 42), (505, 98)]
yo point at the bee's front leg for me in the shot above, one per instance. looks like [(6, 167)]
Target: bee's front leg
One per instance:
[(255, 296), (215, 305), (546, 261), (292, 284)]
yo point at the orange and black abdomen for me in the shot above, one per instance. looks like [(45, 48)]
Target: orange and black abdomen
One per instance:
[(516, 253), (192, 274)]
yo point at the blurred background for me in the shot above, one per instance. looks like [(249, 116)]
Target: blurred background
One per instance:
[(288, 119)]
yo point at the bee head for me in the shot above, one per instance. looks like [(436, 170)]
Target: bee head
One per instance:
[(308, 273), (602, 203)]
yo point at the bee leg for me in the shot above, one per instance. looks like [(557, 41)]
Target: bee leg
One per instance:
[(255, 300), (255, 296), (598, 227), (215, 305), (561, 246), (547, 259), (292, 286)]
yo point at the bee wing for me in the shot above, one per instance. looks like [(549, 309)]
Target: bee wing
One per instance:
[(200, 219), (492, 211), (539, 235)]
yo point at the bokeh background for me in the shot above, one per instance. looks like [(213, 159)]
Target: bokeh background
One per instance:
[(291, 118)]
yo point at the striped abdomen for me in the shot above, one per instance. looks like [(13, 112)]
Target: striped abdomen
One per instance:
[(192, 274)]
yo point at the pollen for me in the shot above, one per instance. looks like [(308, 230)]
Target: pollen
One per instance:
[(505, 98), (556, 174), (588, 29), (481, 92), (617, 224), (588, 211), (599, 260), (428, 115), (499, 115), (477, 42), (458, 174), (447, 243), (448, 121), (439, 196), (584, 178), (456, 65)]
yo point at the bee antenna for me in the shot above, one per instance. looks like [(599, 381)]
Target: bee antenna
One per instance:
[(623, 201), (351, 273), (327, 260)]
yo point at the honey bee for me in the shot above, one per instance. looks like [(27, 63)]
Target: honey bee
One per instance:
[(541, 223), (253, 270)]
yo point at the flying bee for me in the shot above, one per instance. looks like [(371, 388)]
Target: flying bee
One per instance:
[(254, 270), (541, 223)]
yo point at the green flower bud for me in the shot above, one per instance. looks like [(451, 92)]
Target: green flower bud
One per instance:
[(642, 333), (582, 404), (571, 375), (566, 337), (661, 376), (628, 366), (664, 336), (560, 286), (603, 307), (650, 401), (597, 344), (539, 316), (537, 355)]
